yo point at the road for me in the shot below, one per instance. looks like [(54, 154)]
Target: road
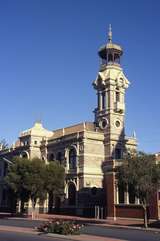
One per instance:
[(20, 222), (12, 236), (117, 233), (125, 234)]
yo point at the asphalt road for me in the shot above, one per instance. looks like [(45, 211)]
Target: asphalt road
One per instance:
[(119, 233), (11, 236), (20, 222), (126, 234)]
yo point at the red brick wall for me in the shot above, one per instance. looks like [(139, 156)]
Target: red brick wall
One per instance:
[(153, 206), (135, 211), (128, 211)]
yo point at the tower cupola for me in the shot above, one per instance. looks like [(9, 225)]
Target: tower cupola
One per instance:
[(110, 84), (110, 53)]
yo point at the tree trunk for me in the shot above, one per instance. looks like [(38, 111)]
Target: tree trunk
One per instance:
[(145, 216), (33, 208)]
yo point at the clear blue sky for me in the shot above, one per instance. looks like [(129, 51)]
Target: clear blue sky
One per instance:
[(48, 60)]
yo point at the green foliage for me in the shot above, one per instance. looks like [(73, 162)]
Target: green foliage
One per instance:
[(140, 171), (35, 180), (32, 178), (60, 227), (16, 177), (55, 178), (54, 182)]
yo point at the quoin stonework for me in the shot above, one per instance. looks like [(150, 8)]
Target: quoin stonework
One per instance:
[(89, 151)]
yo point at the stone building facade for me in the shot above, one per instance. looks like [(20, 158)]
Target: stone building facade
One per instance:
[(89, 151), (79, 149)]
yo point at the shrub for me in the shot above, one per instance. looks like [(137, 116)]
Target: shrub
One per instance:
[(60, 227)]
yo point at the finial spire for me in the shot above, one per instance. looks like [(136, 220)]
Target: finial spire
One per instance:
[(110, 34), (134, 134)]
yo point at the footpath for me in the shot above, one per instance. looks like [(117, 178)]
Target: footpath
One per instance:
[(118, 223)]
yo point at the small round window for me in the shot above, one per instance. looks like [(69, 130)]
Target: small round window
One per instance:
[(103, 123), (117, 123)]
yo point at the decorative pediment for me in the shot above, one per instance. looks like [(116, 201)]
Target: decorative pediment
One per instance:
[(114, 76), (122, 81), (99, 82)]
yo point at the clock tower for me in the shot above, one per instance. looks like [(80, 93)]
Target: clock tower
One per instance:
[(110, 85)]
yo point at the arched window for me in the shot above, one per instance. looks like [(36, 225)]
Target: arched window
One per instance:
[(117, 58), (110, 58), (103, 100), (71, 193), (117, 95), (118, 153), (72, 158)]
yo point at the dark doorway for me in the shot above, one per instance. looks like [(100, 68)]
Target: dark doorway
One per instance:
[(71, 194)]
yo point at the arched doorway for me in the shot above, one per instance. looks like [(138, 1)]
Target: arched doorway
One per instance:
[(71, 194)]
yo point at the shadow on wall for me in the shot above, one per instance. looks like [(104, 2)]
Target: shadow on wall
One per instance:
[(81, 203)]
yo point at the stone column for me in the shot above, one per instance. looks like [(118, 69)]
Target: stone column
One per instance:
[(117, 194), (66, 155)]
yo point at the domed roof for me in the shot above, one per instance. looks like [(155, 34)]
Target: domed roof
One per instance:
[(37, 130), (110, 47)]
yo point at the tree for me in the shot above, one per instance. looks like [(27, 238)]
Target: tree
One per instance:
[(3, 144), (54, 181), (16, 179), (31, 179), (140, 171), (26, 177), (35, 181)]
